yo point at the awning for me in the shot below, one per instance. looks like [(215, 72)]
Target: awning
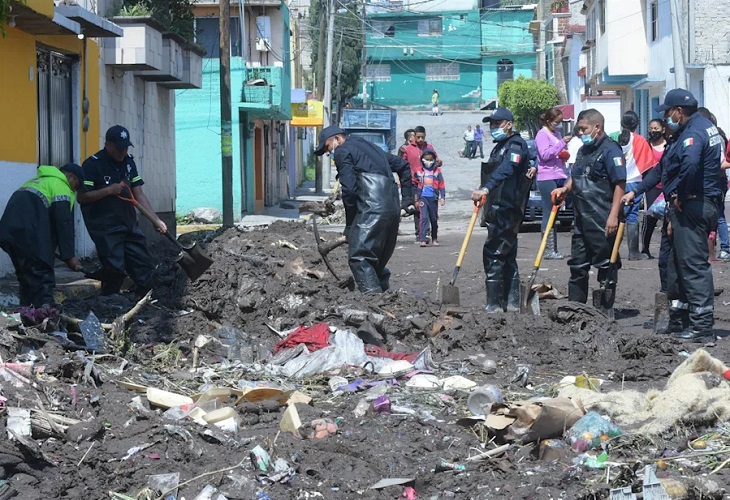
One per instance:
[(568, 111), (91, 24), (35, 23), (647, 83)]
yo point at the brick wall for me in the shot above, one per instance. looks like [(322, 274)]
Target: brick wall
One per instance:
[(711, 36)]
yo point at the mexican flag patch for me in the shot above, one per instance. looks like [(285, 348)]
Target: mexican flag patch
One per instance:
[(514, 158), (688, 142), (618, 161)]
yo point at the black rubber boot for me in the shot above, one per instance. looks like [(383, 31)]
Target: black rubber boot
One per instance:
[(647, 231), (632, 238), (495, 292), (578, 289), (551, 251), (513, 295), (692, 335), (111, 283)]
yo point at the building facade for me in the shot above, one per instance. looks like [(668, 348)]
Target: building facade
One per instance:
[(261, 107)]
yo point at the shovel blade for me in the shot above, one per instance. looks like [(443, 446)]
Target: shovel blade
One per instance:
[(603, 301), (450, 295), (530, 302), (193, 261)]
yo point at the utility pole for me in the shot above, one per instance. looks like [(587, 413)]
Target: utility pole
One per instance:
[(680, 72), (319, 167), (363, 70), (226, 132), (326, 165), (339, 78)]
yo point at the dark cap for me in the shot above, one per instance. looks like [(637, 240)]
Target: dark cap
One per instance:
[(119, 136), (499, 114), (428, 151), (325, 134), (72, 168), (676, 98)]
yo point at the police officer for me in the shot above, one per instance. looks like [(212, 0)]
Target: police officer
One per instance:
[(37, 219), (372, 207), (112, 222), (691, 181), (507, 187), (598, 181)]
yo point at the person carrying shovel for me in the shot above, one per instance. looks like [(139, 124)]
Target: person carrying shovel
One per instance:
[(111, 221), (598, 181), (506, 190)]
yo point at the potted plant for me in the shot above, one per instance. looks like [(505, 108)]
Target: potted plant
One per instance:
[(560, 7)]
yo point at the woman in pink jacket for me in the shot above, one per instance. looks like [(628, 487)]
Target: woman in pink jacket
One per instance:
[(552, 153)]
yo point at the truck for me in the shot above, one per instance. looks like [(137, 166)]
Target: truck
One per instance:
[(375, 124)]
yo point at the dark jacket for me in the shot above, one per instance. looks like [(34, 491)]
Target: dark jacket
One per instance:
[(357, 156), (39, 217)]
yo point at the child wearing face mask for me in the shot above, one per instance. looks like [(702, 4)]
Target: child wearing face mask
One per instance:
[(430, 193)]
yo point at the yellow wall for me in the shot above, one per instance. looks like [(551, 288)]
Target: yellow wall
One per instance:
[(44, 7), (19, 91)]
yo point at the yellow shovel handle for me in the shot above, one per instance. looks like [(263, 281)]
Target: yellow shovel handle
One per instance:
[(477, 205), (546, 235)]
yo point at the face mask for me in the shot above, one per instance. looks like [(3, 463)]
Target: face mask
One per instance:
[(655, 135), (498, 134), (588, 139), (557, 128), (428, 163), (672, 124)]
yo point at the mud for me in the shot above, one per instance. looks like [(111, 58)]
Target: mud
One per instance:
[(260, 283)]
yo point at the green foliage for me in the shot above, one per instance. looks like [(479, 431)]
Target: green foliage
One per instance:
[(347, 46), (176, 16), (527, 99), (4, 13)]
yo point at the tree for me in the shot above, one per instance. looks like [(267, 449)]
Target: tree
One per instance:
[(347, 24), (527, 99)]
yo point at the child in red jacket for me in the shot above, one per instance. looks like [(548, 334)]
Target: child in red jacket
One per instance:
[(430, 193)]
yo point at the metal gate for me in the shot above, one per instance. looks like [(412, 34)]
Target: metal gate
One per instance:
[(55, 116)]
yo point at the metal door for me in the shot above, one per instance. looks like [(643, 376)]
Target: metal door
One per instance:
[(55, 116)]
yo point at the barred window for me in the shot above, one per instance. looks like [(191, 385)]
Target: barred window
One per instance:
[(378, 72), (429, 27), (442, 71), (383, 29)]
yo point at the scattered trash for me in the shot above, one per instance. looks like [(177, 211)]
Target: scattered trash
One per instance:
[(409, 493), (210, 493), (484, 363), (260, 458), (336, 383), (362, 408), (457, 383), (290, 421), (532, 420), (395, 369), (18, 422), (93, 333), (590, 432), (321, 428), (392, 481), (552, 450), (481, 399), (165, 484), (381, 405), (521, 375), (592, 461), (425, 382), (164, 399), (449, 466)]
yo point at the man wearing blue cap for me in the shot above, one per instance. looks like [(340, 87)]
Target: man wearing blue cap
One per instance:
[(506, 184), (38, 219), (691, 184), (111, 221), (372, 205)]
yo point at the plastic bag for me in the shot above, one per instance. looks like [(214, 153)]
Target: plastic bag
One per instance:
[(591, 431), (658, 208)]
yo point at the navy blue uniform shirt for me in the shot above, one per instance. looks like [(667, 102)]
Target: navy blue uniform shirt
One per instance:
[(100, 171), (513, 150), (692, 161), (610, 163)]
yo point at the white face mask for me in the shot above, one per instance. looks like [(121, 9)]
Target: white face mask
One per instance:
[(335, 143), (428, 163)]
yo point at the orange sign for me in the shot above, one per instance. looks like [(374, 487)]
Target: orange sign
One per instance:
[(310, 114)]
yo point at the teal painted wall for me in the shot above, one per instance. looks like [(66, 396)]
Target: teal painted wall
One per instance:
[(408, 85), (198, 144), (524, 65)]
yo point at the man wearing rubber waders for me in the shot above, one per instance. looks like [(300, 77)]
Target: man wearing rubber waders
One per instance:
[(507, 190), (597, 181)]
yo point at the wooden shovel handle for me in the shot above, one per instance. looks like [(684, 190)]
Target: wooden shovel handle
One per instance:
[(477, 205)]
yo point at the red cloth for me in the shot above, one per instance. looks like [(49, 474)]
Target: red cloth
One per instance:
[(643, 154), (564, 155), (315, 337)]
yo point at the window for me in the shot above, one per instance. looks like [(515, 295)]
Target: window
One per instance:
[(55, 112), (602, 15), (207, 35), (505, 71), (378, 72), (383, 29), (654, 20), (442, 71), (429, 27)]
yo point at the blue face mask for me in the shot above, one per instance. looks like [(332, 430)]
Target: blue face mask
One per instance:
[(672, 124), (588, 139), (498, 133)]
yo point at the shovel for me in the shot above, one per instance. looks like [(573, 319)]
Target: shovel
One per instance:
[(529, 300), (450, 292), (604, 297), (191, 259)]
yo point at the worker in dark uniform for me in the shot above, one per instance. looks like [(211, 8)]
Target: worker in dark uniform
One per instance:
[(598, 182), (691, 180), (112, 222), (507, 190), (372, 206), (38, 219)]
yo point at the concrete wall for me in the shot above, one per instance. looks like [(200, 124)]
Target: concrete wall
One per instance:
[(524, 65)]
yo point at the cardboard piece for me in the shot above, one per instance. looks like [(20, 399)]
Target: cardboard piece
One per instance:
[(257, 394), (165, 399), (392, 481), (290, 421), (544, 419), (294, 397), (219, 393)]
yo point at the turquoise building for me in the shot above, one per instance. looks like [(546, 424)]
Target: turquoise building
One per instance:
[(263, 166), (463, 54)]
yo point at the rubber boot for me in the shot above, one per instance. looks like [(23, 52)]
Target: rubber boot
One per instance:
[(495, 292), (578, 289), (551, 252), (513, 295), (647, 231), (111, 283), (661, 313), (632, 238)]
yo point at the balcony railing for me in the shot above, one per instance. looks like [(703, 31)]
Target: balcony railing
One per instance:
[(266, 92)]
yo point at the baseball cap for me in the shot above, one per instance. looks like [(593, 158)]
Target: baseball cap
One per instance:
[(74, 169), (119, 136), (325, 134), (499, 114), (675, 98)]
